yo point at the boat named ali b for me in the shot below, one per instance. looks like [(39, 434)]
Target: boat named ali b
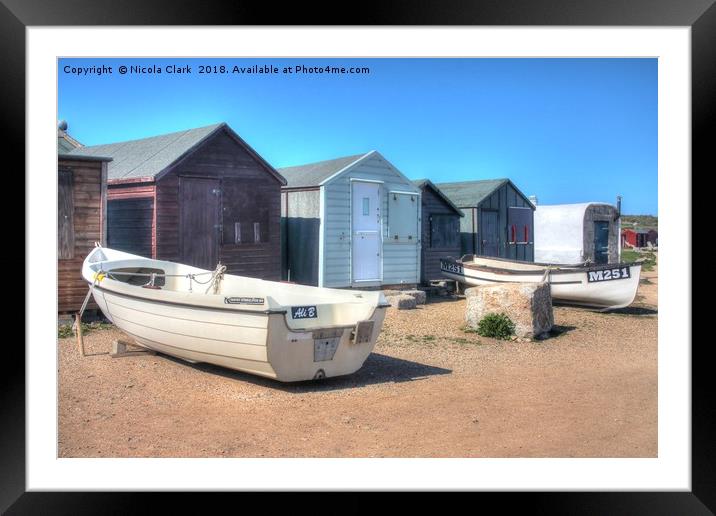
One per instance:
[(278, 330)]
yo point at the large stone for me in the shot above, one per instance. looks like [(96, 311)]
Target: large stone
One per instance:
[(528, 305), (419, 295), (401, 301)]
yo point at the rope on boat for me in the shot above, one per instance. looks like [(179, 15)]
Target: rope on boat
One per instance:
[(546, 277), (216, 276), (150, 274)]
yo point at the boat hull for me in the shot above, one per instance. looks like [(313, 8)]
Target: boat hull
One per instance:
[(260, 341), (607, 287)]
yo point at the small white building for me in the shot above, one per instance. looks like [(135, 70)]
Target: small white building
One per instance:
[(575, 233)]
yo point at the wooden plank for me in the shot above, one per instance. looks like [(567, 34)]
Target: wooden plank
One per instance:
[(119, 349), (65, 215), (129, 224)]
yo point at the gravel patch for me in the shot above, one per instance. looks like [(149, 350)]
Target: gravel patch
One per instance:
[(430, 389)]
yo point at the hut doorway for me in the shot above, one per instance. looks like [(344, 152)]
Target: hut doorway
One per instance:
[(200, 199), (490, 234), (601, 241), (365, 223)]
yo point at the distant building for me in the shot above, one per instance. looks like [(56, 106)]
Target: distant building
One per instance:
[(639, 237)]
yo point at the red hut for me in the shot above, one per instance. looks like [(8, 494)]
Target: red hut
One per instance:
[(638, 237)]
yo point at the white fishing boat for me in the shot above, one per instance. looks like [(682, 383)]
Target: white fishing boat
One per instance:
[(604, 286), (278, 330)]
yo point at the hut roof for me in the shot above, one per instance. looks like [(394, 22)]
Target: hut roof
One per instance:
[(151, 157), (472, 193), (315, 174), (65, 142), (426, 183), (74, 157)]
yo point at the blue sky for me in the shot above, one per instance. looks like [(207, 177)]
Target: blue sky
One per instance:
[(566, 130)]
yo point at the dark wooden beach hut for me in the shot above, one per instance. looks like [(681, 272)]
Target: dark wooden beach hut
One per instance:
[(499, 219), (81, 221), (440, 235), (199, 197)]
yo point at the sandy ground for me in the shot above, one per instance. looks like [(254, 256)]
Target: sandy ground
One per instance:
[(428, 390)]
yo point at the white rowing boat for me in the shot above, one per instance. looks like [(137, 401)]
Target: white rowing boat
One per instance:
[(604, 286), (278, 330)]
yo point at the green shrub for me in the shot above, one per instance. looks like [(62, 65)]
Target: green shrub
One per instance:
[(497, 326), (65, 330)]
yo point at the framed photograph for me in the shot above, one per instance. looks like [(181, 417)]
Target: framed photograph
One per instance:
[(420, 255)]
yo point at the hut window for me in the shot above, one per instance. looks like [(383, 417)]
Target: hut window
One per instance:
[(444, 231), (245, 212), (403, 217), (519, 224), (65, 215), (366, 205)]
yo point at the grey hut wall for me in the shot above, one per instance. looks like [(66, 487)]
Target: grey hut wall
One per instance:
[(606, 213), (500, 200), (300, 224), (433, 205), (401, 260)]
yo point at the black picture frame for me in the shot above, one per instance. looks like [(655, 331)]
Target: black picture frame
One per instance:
[(16, 15)]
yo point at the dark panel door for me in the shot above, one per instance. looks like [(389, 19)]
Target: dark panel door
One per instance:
[(601, 241), (490, 236), (200, 200)]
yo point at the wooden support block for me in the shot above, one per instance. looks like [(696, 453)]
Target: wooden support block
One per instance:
[(119, 349), (78, 329)]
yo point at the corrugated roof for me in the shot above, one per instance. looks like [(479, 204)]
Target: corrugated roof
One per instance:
[(470, 193), (147, 157), (426, 183), (313, 174)]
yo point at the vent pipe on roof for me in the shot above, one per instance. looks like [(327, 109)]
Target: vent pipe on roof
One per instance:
[(62, 124), (619, 207), (533, 199)]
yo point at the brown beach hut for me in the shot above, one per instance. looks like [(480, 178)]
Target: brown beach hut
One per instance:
[(81, 221), (199, 197)]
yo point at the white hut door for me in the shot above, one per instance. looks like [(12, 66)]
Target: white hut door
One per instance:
[(366, 252)]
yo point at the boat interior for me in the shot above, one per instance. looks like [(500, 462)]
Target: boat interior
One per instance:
[(163, 275)]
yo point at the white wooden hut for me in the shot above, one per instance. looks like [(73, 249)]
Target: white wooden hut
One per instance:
[(350, 222), (575, 233)]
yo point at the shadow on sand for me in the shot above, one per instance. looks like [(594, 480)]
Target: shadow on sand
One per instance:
[(558, 330), (629, 310), (635, 310), (376, 369)]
